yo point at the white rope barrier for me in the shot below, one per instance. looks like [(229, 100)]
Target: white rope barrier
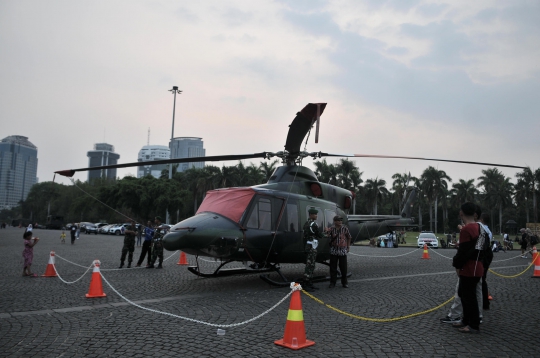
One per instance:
[(67, 282), (293, 288), (102, 269)]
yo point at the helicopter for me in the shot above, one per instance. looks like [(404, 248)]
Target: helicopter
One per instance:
[(262, 224)]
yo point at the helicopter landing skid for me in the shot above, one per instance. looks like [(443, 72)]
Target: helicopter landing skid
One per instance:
[(286, 282), (219, 272)]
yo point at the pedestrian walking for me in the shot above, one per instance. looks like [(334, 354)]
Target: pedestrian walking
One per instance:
[(28, 253), (72, 232)]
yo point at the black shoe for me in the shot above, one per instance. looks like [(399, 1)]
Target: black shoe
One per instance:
[(345, 286), (121, 265), (150, 266), (332, 285), (129, 265), (159, 266)]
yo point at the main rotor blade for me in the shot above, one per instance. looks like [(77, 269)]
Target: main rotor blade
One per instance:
[(300, 126), (419, 158), (215, 158)]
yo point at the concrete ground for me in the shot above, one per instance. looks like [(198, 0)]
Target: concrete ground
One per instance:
[(44, 317)]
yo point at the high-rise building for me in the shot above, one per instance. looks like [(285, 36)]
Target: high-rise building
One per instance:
[(187, 147), (149, 153), (18, 170), (103, 154)]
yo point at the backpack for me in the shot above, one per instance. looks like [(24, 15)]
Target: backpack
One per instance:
[(534, 240)]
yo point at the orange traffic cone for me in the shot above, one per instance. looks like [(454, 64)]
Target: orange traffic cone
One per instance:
[(182, 260), (534, 252), (425, 255), (536, 272), (50, 271), (96, 288), (295, 332)]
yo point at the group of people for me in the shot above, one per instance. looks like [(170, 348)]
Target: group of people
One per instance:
[(151, 246), (527, 241), (340, 242), (471, 262)]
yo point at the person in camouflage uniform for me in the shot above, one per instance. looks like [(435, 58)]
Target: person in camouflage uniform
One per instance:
[(311, 235), (157, 244), (129, 244)]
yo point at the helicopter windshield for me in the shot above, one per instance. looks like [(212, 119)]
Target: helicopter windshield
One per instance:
[(230, 202)]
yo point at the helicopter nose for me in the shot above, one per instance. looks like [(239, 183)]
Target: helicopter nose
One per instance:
[(196, 235)]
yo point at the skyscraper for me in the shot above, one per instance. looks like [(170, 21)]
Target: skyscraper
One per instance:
[(187, 147), (152, 152), (18, 170), (103, 154)]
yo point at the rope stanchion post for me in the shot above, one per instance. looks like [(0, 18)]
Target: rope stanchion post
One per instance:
[(96, 287), (50, 271), (295, 332)]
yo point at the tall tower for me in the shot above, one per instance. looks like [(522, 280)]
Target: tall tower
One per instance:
[(152, 152), (18, 170), (103, 154), (187, 147)]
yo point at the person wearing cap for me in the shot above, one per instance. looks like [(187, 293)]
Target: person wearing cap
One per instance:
[(312, 234), (340, 242), (129, 244), (157, 245)]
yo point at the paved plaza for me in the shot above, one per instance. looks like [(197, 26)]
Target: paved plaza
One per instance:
[(45, 317)]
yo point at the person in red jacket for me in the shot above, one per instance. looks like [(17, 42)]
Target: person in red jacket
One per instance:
[(469, 267)]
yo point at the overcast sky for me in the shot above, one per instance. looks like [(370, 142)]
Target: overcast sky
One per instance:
[(444, 79)]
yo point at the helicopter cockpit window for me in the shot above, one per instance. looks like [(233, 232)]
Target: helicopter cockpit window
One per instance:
[(292, 217), (329, 217), (261, 215)]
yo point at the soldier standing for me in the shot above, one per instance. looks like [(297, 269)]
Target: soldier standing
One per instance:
[(129, 244), (157, 245), (311, 235)]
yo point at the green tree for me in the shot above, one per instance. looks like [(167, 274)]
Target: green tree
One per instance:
[(434, 183), (375, 190)]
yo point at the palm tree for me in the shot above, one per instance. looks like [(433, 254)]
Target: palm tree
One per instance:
[(502, 196), (521, 195), (375, 189), (400, 184), (462, 191), (488, 181), (434, 183), (530, 180)]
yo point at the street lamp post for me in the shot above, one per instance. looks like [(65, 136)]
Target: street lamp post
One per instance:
[(174, 91)]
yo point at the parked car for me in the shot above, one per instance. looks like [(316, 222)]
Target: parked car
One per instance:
[(100, 225), (91, 229), (83, 226), (118, 229), (428, 238), (105, 229)]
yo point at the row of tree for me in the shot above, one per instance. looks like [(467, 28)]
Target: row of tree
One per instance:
[(142, 198)]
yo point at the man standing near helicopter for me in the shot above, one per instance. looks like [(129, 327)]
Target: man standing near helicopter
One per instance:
[(340, 243), (311, 235), (157, 245)]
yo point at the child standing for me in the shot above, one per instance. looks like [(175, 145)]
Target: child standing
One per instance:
[(28, 253), (63, 237)]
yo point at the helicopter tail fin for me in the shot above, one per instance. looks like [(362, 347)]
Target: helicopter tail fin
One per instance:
[(411, 198)]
